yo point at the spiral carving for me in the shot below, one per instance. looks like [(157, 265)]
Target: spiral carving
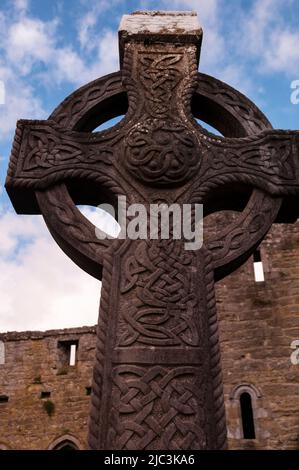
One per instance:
[(161, 152)]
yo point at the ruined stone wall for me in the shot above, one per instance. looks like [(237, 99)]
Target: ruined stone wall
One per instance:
[(258, 322), (37, 363)]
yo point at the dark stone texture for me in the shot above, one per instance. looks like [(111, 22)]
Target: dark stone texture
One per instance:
[(157, 377)]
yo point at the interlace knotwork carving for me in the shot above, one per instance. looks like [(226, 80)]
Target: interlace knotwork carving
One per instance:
[(156, 408), (164, 305), (162, 152), (47, 148), (159, 76)]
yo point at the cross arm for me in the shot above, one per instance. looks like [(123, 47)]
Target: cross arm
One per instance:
[(44, 154), (268, 161)]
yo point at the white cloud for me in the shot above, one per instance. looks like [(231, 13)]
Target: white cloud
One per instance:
[(283, 55), (265, 35), (12, 228), (20, 102), (36, 293), (30, 40), (88, 33), (29, 48), (107, 53), (256, 24), (86, 25), (22, 41), (21, 5), (69, 66)]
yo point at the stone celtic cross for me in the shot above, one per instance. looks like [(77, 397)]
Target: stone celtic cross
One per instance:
[(157, 376)]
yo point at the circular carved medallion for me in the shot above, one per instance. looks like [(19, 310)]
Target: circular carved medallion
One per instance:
[(161, 152)]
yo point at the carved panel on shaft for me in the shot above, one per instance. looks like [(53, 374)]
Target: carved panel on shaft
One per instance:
[(157, 408), (162, 307)]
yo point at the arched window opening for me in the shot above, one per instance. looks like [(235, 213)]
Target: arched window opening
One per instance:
[(247, 416), (65, 442), (66, 445)]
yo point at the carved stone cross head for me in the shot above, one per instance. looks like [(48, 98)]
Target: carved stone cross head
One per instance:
[(157, 376)]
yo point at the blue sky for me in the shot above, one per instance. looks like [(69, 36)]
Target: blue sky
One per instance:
[(50, 47)]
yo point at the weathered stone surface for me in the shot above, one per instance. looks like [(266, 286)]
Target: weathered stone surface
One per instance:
[(172, 26), (160, 22), (31, 367)]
